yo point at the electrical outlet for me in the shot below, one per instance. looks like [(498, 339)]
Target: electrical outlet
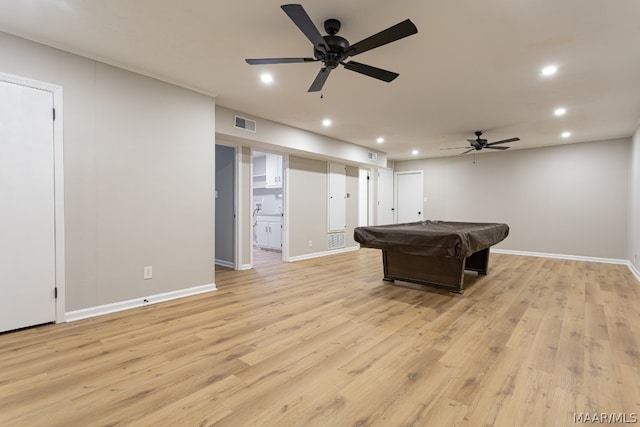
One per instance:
[(310, 243), (147, 273)]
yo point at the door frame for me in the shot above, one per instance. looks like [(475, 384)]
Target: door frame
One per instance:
[(365, 200), (58, 187)]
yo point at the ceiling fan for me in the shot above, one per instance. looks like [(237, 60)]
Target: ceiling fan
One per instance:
[(480, 143), (333, 50)]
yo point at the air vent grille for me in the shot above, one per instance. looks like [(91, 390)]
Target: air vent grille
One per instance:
[(335, 240), (244, 123), (372, 156)]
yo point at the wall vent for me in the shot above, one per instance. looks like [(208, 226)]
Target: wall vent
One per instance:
[(372, 156), (244, 123), (335, 240)]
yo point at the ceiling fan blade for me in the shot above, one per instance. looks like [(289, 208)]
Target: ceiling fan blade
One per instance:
[(262, 61), (454, 148), (468, 151), (368, 70), (300, 17), (391, 34), (496, 148), (504, 141), (317, 84)]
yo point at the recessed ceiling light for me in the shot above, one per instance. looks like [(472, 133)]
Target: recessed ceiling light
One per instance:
[(266, 78), (380, 140), (326, 123), (549, 70), (415, 152), (566, 134), (560, 111)]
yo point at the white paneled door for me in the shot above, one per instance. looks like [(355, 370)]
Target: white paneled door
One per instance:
[(409, 197), (27, 221), (337, 197), (385, 197)]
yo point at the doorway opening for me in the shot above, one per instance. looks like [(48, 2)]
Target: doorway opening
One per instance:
[(267, 208), (225, 207)]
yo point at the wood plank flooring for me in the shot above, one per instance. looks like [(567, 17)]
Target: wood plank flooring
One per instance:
[(325, 342)]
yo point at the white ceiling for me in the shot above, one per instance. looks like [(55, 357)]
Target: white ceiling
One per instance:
[(474, 65)]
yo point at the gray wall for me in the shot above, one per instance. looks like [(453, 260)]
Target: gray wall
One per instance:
[(139, 175), (569, 199), (293, 140), (308, 204), (225, 205), (634, 201)]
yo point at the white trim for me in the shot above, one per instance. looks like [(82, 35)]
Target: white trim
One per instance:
[(251, 207), (628, 263), (285, 208), (325, 253), (562, 256), (58, 190), (244, 267), (224, 263), (137, 302), (238, 212), (634, 270)]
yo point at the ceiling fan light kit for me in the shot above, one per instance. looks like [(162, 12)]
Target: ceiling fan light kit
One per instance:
[(333, 50)]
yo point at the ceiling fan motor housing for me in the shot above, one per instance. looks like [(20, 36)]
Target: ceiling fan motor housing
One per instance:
[(337, 45), (332, 26)]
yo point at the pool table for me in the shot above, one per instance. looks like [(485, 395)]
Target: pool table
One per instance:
[(433, 252)]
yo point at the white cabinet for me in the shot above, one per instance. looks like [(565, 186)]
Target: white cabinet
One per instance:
[(274, 170), (267, 170), (269, 233)]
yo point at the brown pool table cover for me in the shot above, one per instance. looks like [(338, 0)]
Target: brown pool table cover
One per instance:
[(433, 238)]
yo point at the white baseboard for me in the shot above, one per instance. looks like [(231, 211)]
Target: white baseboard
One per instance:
[(626, 262), (634, 270), (321, 254), (137, 302), (245, 267), (224, 263), (561, 256)]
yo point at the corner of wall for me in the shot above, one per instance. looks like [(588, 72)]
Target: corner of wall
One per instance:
[(633, 217)]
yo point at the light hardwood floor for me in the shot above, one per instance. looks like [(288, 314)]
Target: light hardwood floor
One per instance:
[(326, 342)]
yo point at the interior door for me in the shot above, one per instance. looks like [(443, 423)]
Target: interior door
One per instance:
[(225, 219), (27, 227), (363, 197), (337, 197), (409, 197), (385, 197)]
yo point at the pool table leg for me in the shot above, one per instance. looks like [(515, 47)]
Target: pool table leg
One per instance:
[(478, 262)]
